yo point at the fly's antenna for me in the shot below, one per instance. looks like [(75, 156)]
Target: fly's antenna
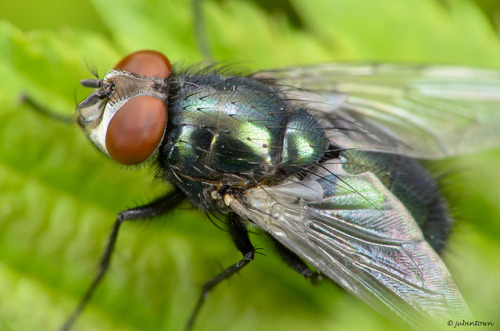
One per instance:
[(200, 30)]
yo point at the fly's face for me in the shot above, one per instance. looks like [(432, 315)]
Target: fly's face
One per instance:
[(125, 116)]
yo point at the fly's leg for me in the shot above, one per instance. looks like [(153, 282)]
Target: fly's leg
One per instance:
[(240, 238), (296, 262), (47, 112), (200, 30), (161, 206)]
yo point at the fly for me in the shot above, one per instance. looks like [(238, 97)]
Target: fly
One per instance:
[(324, 159)]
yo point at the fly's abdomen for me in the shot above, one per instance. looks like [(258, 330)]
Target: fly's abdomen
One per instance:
[(237, 126), (413, 185)]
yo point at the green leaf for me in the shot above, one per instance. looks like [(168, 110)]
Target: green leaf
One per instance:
[(59, 196)]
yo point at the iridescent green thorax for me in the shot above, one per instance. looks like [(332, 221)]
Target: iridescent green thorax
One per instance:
[(222, 127)]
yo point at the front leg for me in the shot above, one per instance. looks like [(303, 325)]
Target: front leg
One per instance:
[(160, 206)]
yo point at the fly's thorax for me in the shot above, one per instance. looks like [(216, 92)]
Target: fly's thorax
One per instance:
[(222, 126)]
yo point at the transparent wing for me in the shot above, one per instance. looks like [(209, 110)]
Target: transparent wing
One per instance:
[(363, 239), (426, 112)]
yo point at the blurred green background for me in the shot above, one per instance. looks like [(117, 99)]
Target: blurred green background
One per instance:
[(59, 196)]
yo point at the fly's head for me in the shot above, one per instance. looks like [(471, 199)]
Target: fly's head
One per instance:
[(125, 116)]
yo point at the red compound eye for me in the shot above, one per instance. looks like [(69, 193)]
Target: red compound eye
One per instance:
[(146, 63), (136, 130)]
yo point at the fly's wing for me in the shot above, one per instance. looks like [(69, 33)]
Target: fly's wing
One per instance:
[(419, 111), (364, 239)]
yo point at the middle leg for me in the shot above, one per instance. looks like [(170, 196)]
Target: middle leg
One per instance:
[(239, 235)]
